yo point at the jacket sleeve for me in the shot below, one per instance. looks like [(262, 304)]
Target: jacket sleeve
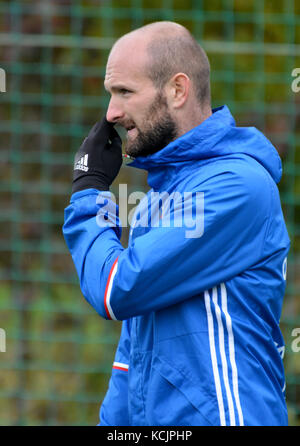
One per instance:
[(164, 266), (114, 408)]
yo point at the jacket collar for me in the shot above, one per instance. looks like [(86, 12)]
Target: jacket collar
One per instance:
[(194, 145), (217, 136)]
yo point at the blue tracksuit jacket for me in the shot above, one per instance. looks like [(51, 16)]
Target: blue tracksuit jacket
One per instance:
[(200, 286)]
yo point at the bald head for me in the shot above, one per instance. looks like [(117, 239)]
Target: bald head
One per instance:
[(158, 80), (167, 48)]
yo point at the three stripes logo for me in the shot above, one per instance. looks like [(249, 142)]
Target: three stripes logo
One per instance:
[(223, 357), (82, 163)]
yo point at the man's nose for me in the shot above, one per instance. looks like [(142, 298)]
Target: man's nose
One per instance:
[(114, 112)]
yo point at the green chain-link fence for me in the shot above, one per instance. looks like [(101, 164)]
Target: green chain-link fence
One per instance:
[(59, 352)]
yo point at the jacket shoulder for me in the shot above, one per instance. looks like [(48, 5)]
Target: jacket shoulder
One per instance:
[(243, 173)]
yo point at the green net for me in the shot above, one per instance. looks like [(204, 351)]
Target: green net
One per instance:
[(59, 352)]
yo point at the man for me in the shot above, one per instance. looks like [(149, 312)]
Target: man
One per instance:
[(200, 305)]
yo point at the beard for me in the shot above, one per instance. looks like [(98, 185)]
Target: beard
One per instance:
[(160, 129)]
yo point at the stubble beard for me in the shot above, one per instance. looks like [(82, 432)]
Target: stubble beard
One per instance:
[(160, 129)]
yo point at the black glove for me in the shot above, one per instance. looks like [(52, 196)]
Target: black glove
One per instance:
[(99, 158)]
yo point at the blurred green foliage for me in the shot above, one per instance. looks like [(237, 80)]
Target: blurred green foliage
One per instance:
[(59, 352)]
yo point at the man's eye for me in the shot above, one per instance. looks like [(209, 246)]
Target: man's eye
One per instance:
[(124, 91)]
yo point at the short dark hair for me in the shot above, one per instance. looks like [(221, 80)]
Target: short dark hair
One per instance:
[(179, 53)]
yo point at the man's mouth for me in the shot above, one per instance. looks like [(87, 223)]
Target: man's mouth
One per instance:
[(131, 131)]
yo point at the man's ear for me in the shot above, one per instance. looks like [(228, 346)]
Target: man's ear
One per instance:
[(177, 90)]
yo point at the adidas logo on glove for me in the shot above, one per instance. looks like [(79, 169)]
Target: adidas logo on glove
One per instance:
[(82, 163)]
